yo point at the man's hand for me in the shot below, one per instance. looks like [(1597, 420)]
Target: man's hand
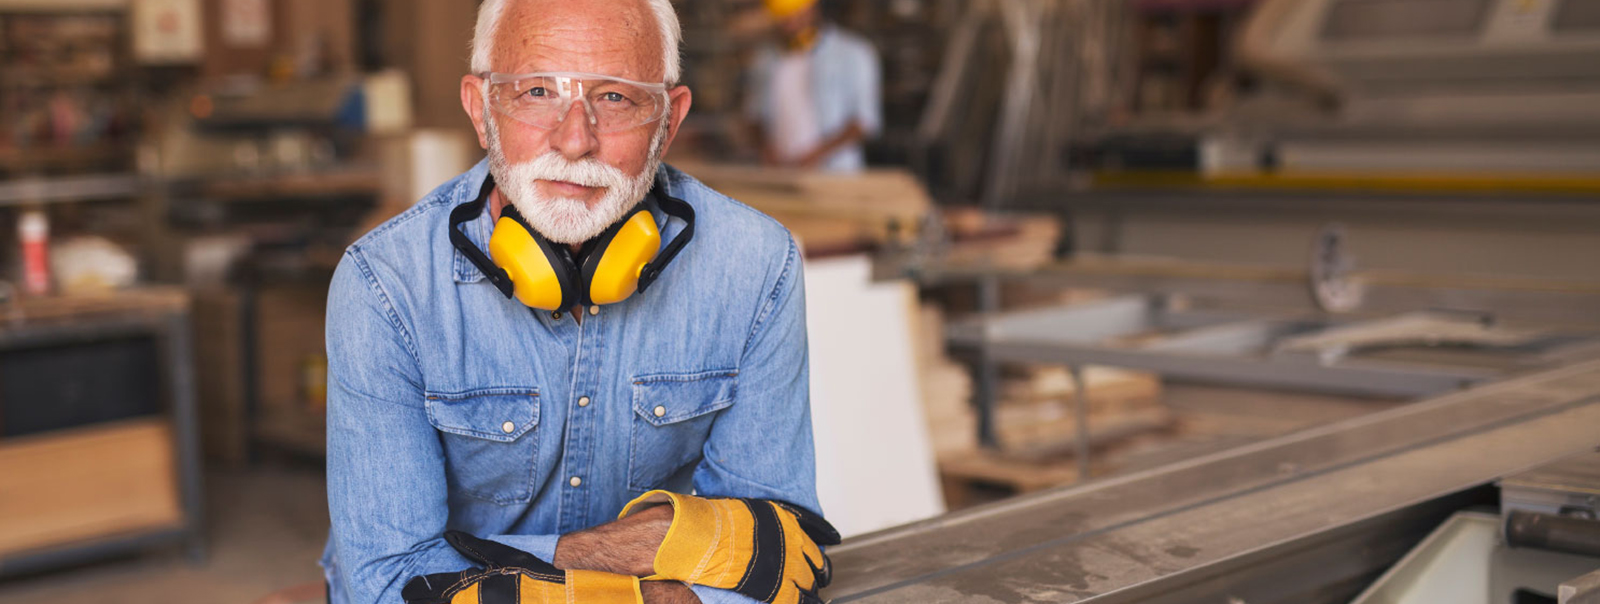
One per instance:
[(767, 550), (626, 547), (851, 133)]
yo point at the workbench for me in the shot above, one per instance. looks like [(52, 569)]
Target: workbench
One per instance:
[(90, 466), (1310, 517)]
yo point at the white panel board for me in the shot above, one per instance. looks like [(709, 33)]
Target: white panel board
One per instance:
[(875, 467)]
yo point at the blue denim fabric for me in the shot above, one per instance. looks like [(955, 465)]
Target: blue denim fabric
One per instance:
[(845, 86), (451, 407)]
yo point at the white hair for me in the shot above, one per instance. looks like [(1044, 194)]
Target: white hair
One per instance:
[(490, 12)]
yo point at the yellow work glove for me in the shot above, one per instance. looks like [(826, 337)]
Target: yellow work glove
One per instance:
[(766, 550), (513, 576)]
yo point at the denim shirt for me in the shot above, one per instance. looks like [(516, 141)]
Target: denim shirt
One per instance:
[(452, 407), (845, 87)]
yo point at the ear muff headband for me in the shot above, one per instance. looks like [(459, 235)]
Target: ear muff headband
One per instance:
[(464, 213), (681, 210)]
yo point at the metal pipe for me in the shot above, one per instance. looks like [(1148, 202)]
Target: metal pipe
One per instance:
[(1566, 534)]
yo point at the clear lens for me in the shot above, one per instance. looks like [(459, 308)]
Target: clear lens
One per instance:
[(545, 100)]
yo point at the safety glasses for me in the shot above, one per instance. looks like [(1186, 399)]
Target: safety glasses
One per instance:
[(543, 100)]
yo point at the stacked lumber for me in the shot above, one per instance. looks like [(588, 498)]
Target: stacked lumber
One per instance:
[(946, 388), (1037, 411), (1035, 419), (827, 212), (1009, 241)]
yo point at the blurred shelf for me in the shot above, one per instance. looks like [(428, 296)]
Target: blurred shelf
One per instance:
[(35, 77), (13, 159), (329, 183), (141, 301), (57, 6), (67, 189)]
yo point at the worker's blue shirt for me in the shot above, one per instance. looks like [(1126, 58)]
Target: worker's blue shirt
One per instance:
[(452, 407), (845, 87)]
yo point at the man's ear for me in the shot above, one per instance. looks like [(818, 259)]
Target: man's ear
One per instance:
[(472, 102), (681, 99)]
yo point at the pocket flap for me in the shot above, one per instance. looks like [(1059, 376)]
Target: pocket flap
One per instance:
[(497, 414), (667, 398)]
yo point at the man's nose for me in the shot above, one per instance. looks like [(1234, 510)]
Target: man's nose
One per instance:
[(574, 137)]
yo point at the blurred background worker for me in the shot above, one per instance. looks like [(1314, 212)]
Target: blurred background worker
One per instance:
[(816, 99)]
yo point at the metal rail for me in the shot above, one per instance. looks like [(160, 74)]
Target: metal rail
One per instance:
[(1337, 503)]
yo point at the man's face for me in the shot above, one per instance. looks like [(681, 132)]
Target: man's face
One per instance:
[(799, 23), (571, 181)]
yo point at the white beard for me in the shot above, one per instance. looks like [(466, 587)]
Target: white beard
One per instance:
[(564, 220)]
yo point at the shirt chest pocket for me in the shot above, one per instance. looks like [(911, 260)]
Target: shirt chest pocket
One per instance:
[(489, 441), (672, 417)]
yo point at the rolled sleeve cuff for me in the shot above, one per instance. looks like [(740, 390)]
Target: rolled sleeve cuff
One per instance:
[(712, 595), (541, 546)]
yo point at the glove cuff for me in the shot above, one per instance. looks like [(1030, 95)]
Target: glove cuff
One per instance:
[(699, 530), (602, 588)]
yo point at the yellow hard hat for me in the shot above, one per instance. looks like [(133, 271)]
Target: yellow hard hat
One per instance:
[(783, 9)]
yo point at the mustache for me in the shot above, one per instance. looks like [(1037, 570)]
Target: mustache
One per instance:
[(587, 172)]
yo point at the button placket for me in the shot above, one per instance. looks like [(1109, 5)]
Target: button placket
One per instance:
[(582, 428)]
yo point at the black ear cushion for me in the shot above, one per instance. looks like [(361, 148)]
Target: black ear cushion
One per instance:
[(560, 258)]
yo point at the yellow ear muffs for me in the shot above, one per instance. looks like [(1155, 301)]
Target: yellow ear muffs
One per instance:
[(532, 263), (627, 258), (610, 272)]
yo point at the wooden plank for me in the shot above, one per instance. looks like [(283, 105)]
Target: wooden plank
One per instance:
[(68, 486), (147, 301), (58, 6), (829, 211)]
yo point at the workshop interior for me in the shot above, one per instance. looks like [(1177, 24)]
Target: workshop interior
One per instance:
[(1157, 301)]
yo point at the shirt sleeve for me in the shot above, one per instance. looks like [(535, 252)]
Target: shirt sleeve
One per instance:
[(712, 595), (868, 106), (761, 446), (387, 497)]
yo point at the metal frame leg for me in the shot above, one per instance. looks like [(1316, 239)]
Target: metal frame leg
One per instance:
[(986, 386), (185, 421), (1080, 414)]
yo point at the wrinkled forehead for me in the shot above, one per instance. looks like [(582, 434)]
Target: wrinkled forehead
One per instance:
[(609, 37)]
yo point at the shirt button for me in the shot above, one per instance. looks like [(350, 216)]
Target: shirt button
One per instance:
[(556, 315), (575, 481), (508, 427), (594, 310), (660, 411), (583, 401)]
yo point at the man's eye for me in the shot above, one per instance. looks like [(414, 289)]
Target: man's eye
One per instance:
[(537, 91), (614, 97)]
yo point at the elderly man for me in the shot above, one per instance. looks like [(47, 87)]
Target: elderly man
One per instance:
[(564, 328)]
